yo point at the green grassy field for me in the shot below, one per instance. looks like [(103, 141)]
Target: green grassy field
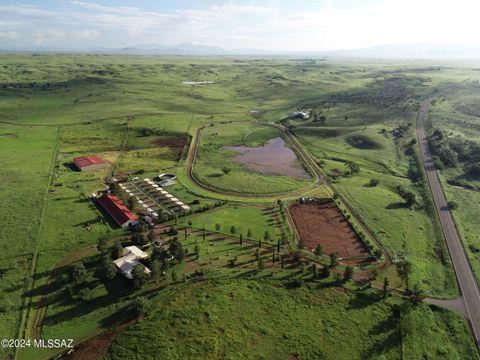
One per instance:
[(26, 166), (252, 320), (129, 109), (256, 219)]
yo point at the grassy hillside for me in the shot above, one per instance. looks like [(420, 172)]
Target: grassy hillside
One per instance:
[(252, 320)]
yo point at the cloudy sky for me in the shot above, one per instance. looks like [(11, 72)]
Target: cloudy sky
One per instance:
[(281, 25)]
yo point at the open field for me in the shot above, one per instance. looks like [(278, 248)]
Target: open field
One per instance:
[(244, 219), (211, 319), (25, 177), (138, 114)]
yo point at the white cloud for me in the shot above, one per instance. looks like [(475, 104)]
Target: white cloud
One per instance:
[(307, 26)]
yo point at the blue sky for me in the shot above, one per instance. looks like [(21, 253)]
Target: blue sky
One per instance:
[(271, 24)]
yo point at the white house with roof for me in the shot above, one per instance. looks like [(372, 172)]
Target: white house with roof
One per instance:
[(130, 259)]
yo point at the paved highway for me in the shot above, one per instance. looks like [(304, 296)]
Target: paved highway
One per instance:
[(466, 280)]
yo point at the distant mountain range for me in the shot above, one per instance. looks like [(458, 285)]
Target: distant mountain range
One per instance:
[(386, 51)]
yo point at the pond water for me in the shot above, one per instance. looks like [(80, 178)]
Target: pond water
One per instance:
[(272, 158)]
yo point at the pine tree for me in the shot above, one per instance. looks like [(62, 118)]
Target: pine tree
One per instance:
[(385, 287)]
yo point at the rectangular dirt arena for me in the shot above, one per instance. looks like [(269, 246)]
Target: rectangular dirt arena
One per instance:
[(323, 223)]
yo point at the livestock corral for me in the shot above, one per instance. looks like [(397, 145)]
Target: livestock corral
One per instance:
[(321, 222)]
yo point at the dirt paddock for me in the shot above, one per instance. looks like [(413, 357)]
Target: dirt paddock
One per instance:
[(324, 224), (175, 142)]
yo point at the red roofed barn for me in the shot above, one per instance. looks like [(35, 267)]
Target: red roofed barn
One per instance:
[(90, 162), (117, 210)]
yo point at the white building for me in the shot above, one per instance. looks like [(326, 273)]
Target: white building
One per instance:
[(130, 259)]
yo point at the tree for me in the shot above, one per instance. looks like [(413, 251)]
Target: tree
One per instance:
[(139, 239), (85, 294), (174, 276), (233, 230), (404, 269), (164, 265), (301, 244), (266, 236), (176, 250), (325, 271), (141, 306), (353, 167), (374, 182), (108, 269), (296, 257), (102, 245), (218, 227), (226, 170), (348, 273), (322, 119), (79, 273), (333, 260), (318, 250), (156, 268), (249, 234), (315, 112), (385, 287), (172, 231), (416, 295), (452, 205), (116, 250), (260, 264), (159, 253), (196, 249), (410, 199), (131, 203), (139, 277), (314, 270)]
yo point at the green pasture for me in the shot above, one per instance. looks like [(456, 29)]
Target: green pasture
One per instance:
[(252, 319)]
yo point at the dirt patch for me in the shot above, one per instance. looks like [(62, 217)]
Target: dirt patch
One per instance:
[(324, 224), (96, 347), (171, 142)]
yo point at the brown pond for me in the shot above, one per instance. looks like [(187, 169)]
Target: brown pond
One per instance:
[(272, 158)]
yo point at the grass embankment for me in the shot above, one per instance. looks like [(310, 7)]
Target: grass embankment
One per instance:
[(253, 319)]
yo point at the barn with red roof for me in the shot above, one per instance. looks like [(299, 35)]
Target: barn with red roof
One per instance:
[(117, 210), (90, 162)]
